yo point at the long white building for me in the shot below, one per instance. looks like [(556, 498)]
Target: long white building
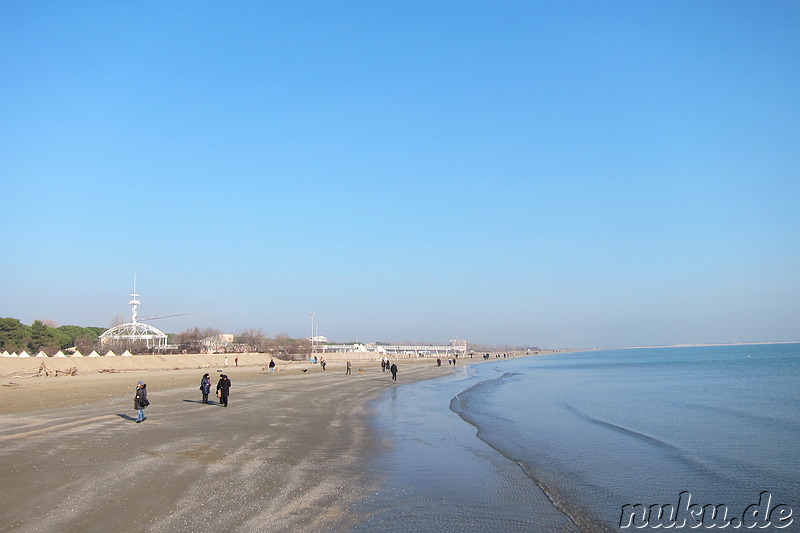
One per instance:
[(455, 348)]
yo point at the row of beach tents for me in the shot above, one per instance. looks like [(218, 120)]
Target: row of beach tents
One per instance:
[(59, 353)]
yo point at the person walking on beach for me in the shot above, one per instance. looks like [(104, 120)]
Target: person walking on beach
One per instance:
[(140, 401), (226, 360), (236, 360), (272, 366), (223, 389), (349, 367), (205, 387), (393, 370)]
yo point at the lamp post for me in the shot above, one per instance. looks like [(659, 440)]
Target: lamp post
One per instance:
[(312, 335)]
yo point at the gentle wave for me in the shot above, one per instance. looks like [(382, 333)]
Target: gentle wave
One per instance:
[(675, 451), (581, 518)]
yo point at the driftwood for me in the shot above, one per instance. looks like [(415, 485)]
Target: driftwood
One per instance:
[(13, 384), (43, 370), (109, 371), (46, 371)]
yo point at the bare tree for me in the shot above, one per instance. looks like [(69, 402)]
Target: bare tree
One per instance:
[(191, 340), (293, 349), (254, 338), (84, 343)]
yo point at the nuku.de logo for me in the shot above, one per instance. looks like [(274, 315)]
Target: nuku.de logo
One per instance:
[(687, 514)]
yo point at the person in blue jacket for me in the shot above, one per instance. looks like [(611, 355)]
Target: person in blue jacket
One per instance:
[(205, 387)]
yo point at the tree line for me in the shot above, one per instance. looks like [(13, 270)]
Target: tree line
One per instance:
[(45, 337), (197, 340)]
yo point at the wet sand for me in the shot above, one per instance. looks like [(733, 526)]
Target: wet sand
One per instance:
[(288, 454)]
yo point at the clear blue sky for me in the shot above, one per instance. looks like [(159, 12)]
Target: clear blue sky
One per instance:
[(561, 174)]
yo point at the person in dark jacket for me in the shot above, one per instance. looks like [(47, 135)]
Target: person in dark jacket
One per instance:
[(205, 387), (223, 388), (140, 401), (393, 370)]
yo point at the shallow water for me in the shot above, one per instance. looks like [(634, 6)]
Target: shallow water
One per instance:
[(565, 441)]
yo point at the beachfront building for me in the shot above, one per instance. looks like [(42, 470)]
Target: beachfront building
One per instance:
[(221, 343), (455, 348), (134, 335)]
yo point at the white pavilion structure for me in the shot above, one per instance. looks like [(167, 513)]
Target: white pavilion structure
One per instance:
[(134, 333)]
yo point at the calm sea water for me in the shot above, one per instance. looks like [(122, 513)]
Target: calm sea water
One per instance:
[(561, 443)]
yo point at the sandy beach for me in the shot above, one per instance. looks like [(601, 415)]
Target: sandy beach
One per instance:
[(286, 455)]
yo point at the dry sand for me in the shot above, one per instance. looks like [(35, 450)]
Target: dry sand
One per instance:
[(286, 455)]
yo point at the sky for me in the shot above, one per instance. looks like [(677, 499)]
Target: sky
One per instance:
[(555, 174)]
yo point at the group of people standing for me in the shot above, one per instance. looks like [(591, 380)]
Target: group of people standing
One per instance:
[(223, 388), (140, 401), (387, 366)]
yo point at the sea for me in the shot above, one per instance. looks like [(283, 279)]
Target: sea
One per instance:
[(573, 441)]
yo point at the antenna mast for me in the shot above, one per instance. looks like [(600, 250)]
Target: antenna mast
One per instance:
[(134, 303)]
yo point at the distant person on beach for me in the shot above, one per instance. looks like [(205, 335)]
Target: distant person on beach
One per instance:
[(438, 361), (205, 387), (272, 366), (454, 360), (236, 360), (323, 364), (140, 401), (349, 366), (223, 389), (393, 369), (226, 360)]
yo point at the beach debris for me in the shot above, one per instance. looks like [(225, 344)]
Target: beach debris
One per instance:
[(13, 384), (109, 371), (43, 370), (73, 371)]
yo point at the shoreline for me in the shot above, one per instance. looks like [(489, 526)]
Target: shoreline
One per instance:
[(289, 453), (438, 469)]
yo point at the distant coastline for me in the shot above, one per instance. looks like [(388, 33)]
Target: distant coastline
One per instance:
[(709, 344)]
